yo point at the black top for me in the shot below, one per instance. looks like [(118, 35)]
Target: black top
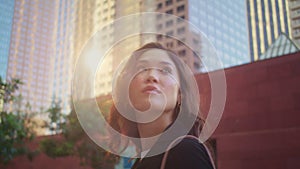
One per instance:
[(188, 154)]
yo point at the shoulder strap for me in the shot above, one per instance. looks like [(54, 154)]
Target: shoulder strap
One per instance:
[(163, 162)]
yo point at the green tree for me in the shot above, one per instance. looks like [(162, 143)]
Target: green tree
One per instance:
[(77, 143), (56, 117), (89, 152), (16, 126)]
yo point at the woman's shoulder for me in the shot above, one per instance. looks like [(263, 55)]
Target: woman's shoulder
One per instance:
[(189, 153), (189, 145)]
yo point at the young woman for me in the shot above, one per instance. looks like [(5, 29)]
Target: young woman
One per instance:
[(156, 104)]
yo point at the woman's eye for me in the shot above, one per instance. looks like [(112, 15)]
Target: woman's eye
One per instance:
[(166, 70), (142, 69)]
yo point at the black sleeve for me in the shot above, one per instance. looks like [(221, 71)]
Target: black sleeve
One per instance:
[(189, 153)]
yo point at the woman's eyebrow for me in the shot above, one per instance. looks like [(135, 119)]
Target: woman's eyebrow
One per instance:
[(166, 63), (142, 61), (161, 62)]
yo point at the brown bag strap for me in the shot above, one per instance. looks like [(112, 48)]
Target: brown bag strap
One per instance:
[(163, 162)]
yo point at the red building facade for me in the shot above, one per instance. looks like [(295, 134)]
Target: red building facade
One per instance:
[(260, 126)]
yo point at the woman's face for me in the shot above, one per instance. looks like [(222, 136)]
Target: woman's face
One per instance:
[(156, 80)]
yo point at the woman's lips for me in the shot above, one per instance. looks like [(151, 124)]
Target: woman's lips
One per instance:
[(151, 90)]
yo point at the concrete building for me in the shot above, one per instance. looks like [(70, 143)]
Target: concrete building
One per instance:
[(219, 31), (223, 23), (91, 17), (267, 19), (95, 20), (176, 32)]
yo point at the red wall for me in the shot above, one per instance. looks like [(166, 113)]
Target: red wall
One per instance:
[(42, 161), (260, 126)]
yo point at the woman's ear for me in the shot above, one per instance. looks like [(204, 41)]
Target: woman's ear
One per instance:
[(179, 97)]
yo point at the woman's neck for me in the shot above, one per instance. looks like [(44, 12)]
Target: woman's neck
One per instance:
[(154, 128)]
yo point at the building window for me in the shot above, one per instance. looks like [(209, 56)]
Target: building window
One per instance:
[(181, 30), (169, 11), (180, 8), (169, 2), (169, 23), (159, 26), (179, 19), (159, 6), (182, 52), (170, 33)]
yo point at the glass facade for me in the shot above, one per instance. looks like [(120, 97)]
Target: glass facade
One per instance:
[(267, 20), (31, 51), (225, 25), (63, 57), (6, 21), (283, 45)]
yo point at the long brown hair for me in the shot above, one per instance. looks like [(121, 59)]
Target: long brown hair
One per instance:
[(129, 128)]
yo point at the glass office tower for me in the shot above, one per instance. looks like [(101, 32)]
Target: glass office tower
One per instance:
[(225, 25), (267, 19)]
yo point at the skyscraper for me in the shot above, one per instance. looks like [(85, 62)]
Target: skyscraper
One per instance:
[(173, 27), (91, 17), (228, 34), (62, 59), (96, 18), (224, 24), (267, 19), (31, 50), (294, 7), (6, 21)]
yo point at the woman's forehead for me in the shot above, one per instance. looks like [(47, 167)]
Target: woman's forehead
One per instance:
[(155, 56)]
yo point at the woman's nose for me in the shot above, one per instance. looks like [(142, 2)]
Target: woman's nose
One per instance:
[(152, 75)]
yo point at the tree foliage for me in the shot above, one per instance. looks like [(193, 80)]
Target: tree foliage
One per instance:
[(57, 119), (55, 148), (16, 126), (76, 142)]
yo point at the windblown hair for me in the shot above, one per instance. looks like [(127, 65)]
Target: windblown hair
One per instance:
[(129, 128)]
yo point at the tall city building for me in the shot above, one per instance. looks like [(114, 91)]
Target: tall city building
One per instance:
[(130, 27), (223, 23), (172, 27), (97, 18), (31, 50), (267, 19), (6, 21), (294, 7), (92, 17), (104, 16), (62, 59)]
